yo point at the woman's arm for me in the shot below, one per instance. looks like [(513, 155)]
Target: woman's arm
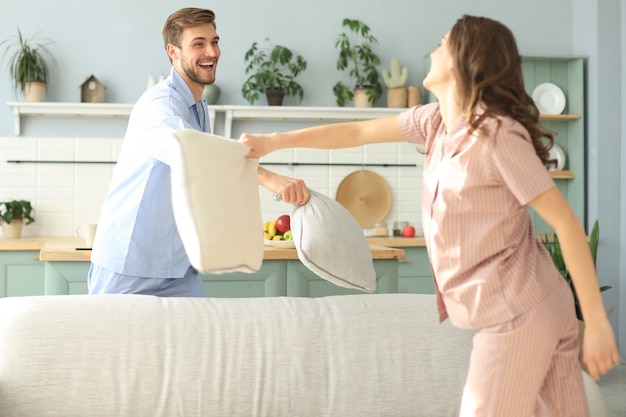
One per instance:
[(330, 136), (599, 347)]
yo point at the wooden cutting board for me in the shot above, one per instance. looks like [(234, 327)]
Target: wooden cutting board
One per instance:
[(366, 195)]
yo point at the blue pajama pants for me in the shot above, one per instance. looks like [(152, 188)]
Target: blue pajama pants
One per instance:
[(102, 281)]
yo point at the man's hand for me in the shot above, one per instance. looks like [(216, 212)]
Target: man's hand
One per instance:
[(292, 190)]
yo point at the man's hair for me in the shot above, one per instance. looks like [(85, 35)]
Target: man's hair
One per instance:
[(184, 18)]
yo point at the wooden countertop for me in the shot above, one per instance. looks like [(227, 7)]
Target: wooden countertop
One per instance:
[(65, 250), (35, 242), (397, 241)]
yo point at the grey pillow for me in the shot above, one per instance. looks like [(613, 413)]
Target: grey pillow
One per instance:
[(331, 243)]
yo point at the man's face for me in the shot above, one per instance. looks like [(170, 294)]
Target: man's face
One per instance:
[(196, 58)]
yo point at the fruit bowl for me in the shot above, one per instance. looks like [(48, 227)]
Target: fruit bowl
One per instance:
[(282, 244)]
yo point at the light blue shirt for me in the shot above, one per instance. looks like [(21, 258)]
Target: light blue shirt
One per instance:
[(137, 233)]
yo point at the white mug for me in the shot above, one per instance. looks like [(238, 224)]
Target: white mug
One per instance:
[(87, 231)]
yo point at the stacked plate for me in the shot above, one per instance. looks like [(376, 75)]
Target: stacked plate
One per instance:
[(549, 98), (557, 153)]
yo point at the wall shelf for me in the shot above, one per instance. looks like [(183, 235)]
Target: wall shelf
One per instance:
[(562, 175), (293, 113)]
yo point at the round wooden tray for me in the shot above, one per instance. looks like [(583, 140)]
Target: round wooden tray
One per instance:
[(366, 195)]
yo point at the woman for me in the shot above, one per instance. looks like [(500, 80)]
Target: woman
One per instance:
[(485, 163)]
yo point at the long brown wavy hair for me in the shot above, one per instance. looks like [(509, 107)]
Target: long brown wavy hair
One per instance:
[(489, 75)]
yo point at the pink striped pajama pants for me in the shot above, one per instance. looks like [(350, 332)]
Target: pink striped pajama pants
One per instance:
[(529, 365)]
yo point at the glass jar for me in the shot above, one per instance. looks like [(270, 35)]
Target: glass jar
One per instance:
[(398, 226), (380, 230)]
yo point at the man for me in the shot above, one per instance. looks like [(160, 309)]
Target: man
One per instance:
[(137, 248)]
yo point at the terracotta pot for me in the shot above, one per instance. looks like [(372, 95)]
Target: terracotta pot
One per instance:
[(360, 98), (415, 96), (274, 96), (12, 230), (397, 97), (34, 92)]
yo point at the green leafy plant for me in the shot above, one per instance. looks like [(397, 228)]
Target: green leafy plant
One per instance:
[(274, 67), (356, 54), (16, 210), (554, 248), (27, 60)]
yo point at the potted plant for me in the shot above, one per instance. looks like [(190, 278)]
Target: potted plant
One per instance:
[(12, 215), (274, 70), (553, 246), (395, 79), (28, 67), (356, 54)]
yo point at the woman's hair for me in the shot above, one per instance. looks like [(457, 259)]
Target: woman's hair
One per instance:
[(489, 74), (184, 18)]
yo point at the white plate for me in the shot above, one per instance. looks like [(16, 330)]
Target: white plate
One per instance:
[(283, 244), (549, 98), (556, 152)]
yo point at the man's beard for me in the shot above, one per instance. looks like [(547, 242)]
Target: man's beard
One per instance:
[(192, 74)]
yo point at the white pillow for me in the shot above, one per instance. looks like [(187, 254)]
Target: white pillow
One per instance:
[(215, 196), (331, 243)]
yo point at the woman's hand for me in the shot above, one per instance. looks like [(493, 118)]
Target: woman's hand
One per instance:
[(599, 348), (258, 144)]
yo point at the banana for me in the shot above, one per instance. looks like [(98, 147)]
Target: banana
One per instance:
[(272, 229), (267, 236), (277, 237), (266, 226)]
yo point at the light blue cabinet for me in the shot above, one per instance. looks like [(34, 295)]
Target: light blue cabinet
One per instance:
[(414, 272), (301, 282), (567, 73), (21, 273), (275, 278)]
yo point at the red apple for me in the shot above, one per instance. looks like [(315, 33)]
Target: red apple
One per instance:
[(408, 231), (283, 223)]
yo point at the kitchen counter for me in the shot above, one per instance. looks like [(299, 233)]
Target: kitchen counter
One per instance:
[(34, 242), (397, 241), (65, 250)]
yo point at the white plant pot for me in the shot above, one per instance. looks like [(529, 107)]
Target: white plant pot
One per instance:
[(34, 92), (12, 230), (360, 98)]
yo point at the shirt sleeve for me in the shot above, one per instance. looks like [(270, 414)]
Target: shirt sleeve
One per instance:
[(514, 157), (419, 124)]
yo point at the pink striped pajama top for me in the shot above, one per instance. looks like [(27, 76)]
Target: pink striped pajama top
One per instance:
[(488, 264)]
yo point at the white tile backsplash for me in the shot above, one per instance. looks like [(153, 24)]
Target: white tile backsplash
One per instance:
[(65, 195)]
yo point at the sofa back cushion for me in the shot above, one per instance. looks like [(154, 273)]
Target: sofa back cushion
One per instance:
[(137, 355)]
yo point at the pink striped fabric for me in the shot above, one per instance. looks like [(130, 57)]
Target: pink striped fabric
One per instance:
[(488, 264), (491, 272)]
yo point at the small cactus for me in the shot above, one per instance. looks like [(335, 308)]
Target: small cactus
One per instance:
[(398, 77)]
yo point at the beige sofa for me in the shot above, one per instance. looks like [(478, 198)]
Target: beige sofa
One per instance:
[(133, 355)]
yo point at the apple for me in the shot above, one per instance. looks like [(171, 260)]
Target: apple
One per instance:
[(408, 231), (283, 223)]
